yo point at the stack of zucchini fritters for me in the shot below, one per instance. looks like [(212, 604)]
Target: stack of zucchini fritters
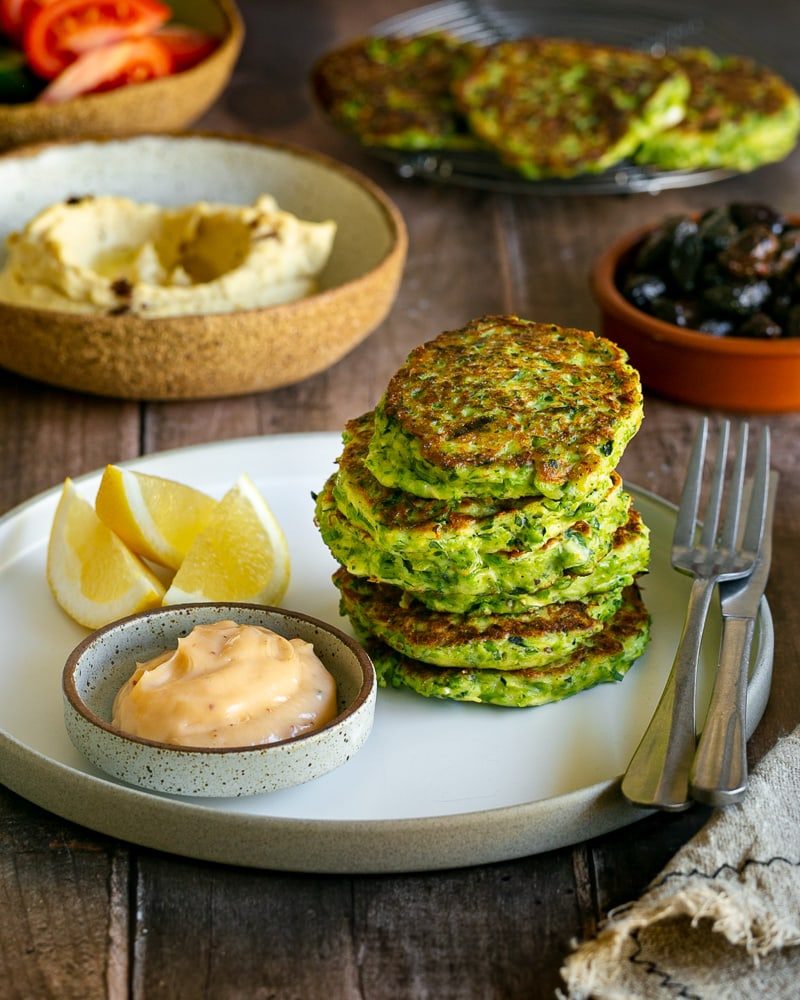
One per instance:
[(488, 551)]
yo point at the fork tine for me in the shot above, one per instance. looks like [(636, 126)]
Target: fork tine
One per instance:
[(711, 519), (690, 496), (756, 513), (734, 502)]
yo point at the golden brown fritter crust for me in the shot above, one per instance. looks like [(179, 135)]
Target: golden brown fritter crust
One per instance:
[(395, 92), (555, 403), (554, 107), (381, 603), (607, 656)]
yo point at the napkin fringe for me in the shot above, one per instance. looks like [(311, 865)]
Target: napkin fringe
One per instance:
[(739, 877), (758, 933)]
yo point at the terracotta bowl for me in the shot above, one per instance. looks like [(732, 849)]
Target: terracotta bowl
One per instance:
[(197, 356), (157, 106), (729, 373), (100, 665)]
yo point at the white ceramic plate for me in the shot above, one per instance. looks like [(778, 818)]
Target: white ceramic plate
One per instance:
[(437, 784)]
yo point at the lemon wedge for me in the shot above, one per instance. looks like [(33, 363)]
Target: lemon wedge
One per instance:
[(156, 518), (92, 574), (241, 555)]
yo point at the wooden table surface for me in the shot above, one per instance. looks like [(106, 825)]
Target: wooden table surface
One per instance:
[(83, 915)]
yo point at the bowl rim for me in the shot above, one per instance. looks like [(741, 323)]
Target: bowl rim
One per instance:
[(395, 252), (613, 302), (70, 690), (230, 41)]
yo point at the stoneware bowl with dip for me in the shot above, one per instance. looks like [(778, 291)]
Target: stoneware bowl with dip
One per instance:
[(171, 102), (213, 354), (100, 665), (730, 373)]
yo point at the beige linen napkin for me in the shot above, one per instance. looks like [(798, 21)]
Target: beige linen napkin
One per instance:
[(722, 920)]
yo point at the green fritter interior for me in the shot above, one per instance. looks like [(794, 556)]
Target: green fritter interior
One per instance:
[(408, 524), (506, 407), (628, 558), (739, 115), (503, 642), (557, 108), (606, 657), (455, 574)]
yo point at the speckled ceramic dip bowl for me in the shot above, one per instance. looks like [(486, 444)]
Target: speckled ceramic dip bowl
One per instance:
[(99, 666), (218, 354)]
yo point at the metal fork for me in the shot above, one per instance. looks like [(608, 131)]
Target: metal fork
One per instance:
[(658, 774)]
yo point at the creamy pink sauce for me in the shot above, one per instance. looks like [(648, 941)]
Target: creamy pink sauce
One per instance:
[(227, 685)]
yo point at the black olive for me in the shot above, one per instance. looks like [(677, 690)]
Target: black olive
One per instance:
[(712, 274), (760, 325), (686, 254), (740, 298), (655, 250), (678, 311), (788, 252), (746, 214), (792, 324), (734, 272), (780, 304), (716, 326), (716, 229), (641, 289), (752, 253)]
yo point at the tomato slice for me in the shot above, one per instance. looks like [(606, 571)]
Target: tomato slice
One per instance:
[(11, 17), (187, 46), (133, 60), (14, 15), (56, 34)]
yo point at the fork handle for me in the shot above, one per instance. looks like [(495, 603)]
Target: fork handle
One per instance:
[(658, 774), (719, 773)]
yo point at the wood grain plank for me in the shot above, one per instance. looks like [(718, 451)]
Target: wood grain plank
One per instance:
[(48, 434), (624, 863), (217, 932), (62, 896), (491, 933)]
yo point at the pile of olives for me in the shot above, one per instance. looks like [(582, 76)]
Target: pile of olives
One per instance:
[(732, 272)]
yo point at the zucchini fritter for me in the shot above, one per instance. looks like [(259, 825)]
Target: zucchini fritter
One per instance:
[(396, 91), (431, 572), (555, 107), (606, 657), (506, 408), (504, 582), (503, 642), (416, 527), (740, 116)]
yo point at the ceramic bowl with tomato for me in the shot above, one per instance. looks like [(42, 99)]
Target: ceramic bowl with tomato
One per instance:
[(202, 355), (81, 67)]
